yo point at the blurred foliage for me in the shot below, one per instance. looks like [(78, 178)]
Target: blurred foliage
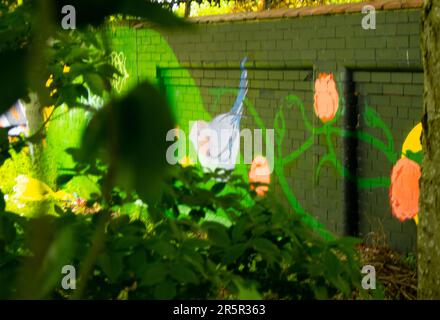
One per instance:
[(207, 8), (265, 251), (125, 134), (214, 7)]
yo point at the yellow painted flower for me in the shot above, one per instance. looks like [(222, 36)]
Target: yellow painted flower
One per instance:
[(54, 91), (47, 111), (412, 143), (66, 69), (49, 81)]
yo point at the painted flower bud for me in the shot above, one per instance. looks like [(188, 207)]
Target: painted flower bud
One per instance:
[(326, 99), (404, 190), (260, 173)]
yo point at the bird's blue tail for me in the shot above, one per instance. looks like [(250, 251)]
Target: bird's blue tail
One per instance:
[(237, 109)]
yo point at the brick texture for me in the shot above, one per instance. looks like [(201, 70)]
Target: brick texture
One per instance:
[(287, 49)]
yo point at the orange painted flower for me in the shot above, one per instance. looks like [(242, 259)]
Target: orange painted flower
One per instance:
[(404, 191), (260, 174), (326, 97)]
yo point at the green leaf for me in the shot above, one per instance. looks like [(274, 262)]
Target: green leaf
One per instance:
[(321, 292), (218, 187), (218, 235), (137, 261), (111, 264), (165, 290), (163, 248), (153, 274), (70, 93), (183, 274), (194, 244), (234, 252), (95, 82), (194, 258), (246, 291), (76, 54), (129, 133), (79, 68), (107, 70), (265, 246), (239, 229), (83, 186)]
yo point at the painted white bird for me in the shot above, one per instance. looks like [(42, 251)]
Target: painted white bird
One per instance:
[(15, 119), (218, 142)]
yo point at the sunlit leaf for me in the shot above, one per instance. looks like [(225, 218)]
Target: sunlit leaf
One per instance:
[(129, 135)]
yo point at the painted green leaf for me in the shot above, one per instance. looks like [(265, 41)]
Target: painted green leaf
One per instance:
[(415, 156)]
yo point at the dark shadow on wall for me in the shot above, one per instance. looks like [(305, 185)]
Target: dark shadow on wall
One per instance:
[(351, 208)]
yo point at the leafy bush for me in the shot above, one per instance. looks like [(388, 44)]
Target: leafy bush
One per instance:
[(212, 7), (175, 249)]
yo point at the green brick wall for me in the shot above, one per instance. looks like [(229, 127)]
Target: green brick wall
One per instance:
[(379, 69)]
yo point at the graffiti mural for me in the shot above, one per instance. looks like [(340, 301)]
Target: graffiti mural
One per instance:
[(328, 107), (326, 99), (308, 103), (15, 119), (118, 60), (259, 173), (405, 176), (217, 143)]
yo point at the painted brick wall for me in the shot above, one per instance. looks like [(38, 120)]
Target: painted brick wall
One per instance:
[(378, 69)]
